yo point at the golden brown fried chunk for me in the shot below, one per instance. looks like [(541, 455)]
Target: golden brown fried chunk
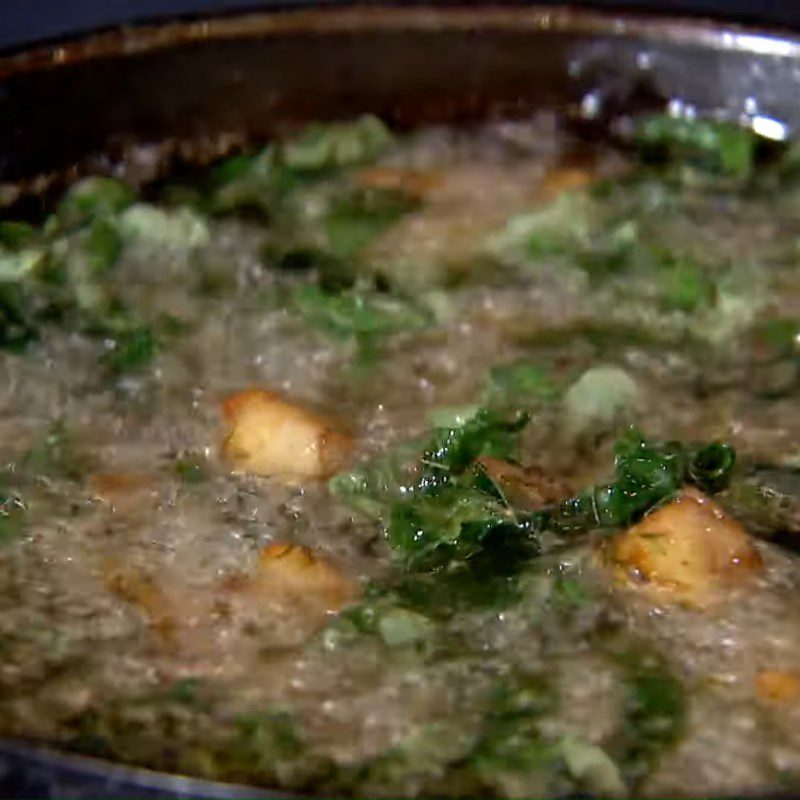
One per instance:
[(271, 436), (779, 686), (685, 550), (299, 576)]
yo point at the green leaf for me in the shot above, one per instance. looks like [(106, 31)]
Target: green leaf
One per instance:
[(12, 516), (362, 216), (489, 579), (780, 336), (243, 183), (92, 198), (373, 487), (18, 326), (452, 450), (191, 468), (16, 235), (103, 246), (647, 473), (133, 349), (445, 511), (354, 313), (401, 628), (512, 749), (428, 530), (654, 714), (452, 416), (433, 515), (683, 286), (18, 264), (177, 229), (184, 691), (569, 593), (58, 453), (337, 144), (518, 383), (720, 147), (610, 249), (592, 768), (273, 733)]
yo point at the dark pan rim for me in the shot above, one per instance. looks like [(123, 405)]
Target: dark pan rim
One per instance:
[(353, 18), (114, 775)]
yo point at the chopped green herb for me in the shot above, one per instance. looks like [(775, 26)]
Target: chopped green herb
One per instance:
[(720, 147), (269, 735), (17, 317), (16, 235), (177, 229), (518, 383), (569, 592), (446, 512), (766, 499), (12, 516), (337, 144), (654, 714), (92, 198), (684, 287), (58, 453), (104, 245), (184, 691), (431, 529), (512, 750), (453, 450), (592, 768), (359, 218), (780, 336), (133, 349), (191, 468), (355, 313), (646, 474), (401, 627), (15, 265), (266, 181), (453, 416)]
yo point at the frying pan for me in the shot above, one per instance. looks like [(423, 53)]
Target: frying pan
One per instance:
[(146, 100)]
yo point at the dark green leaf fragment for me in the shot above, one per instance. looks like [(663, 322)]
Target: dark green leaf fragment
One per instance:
[(375, 486), (325, 146), (361, 216), (654, 714), (432, 529), (270, 735), (777, 337), (15, 235), (132, 350), (58, 453), (452, 450), (103, 246), (92, 198), (717, 146), (191, 468), (684, 286), (18, 325), (355, 313), (518, 383), (647, 473), (512, 740), (12, 516)]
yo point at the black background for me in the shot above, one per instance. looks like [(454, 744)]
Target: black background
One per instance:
[(25, 21)]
